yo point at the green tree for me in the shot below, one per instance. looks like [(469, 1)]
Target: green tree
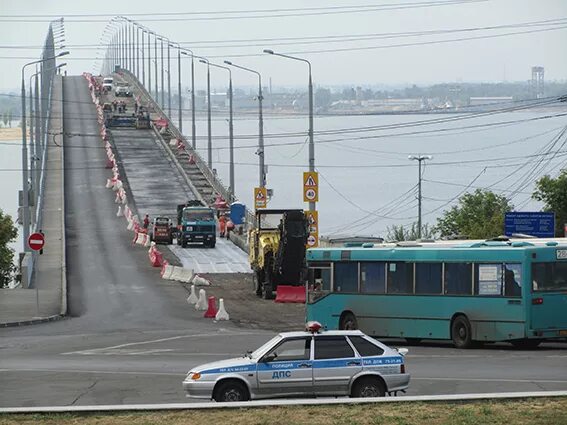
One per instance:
[(553, 193), (478, 215), (8, 233), (401, 233)]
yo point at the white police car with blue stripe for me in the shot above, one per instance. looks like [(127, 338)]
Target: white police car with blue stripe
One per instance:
[(304, 364)]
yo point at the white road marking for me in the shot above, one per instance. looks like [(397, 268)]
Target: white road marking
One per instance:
[(224, 258), (130, 344)]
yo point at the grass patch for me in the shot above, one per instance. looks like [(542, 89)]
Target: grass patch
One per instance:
[(539, 411)]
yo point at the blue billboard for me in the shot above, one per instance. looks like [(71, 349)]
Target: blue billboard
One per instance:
[(538, 224)]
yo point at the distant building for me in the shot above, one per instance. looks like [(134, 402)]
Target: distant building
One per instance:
[(536, 86)]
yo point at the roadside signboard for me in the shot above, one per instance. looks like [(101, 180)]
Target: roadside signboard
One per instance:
[(36, 241), (260, 197), (538, 224), (313, 219), (310, 186)]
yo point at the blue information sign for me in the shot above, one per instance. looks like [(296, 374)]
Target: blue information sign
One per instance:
[(539, 224)]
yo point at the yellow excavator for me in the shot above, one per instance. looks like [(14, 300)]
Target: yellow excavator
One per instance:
[(277, 250)]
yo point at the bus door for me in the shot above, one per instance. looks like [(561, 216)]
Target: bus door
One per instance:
[(549, 296)]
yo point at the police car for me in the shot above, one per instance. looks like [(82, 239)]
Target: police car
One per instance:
[(304, 364)]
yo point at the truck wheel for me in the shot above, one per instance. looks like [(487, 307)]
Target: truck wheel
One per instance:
[(212, 244), (183, 244)]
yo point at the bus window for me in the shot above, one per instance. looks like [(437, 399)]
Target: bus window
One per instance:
[(549, 276), (345, 277), (400, 278), (458, 278), (319, 278), (513, 280), (372, 278), (428, 278), (488, 279)]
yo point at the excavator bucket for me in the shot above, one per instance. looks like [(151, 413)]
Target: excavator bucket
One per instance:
[(290, 294)]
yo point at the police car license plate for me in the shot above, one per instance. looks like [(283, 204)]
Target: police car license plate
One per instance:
[(563, 333)]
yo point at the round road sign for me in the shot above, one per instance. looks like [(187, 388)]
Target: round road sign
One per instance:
[(310, 194), (36, 241), (311, 240)]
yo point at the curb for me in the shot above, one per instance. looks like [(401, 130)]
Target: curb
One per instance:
[(268, 403), (53, 318)]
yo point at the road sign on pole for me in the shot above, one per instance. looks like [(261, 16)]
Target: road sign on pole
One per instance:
[(313, 219), (36, 241), (260, 197), (310, 186)]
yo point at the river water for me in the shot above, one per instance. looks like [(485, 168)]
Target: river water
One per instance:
[(10, 184), (368, 184)]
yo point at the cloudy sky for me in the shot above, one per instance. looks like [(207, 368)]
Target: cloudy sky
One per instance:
[(380, 50)]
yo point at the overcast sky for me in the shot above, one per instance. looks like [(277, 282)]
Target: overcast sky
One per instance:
[(494, 59)]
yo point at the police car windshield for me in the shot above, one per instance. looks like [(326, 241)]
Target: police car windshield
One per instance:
[(260, 351)]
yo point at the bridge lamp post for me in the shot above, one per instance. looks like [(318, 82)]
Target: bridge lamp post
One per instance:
[(419, 159), (209, 136), (193, 128), (260, 151), (311, 141), (179, 99), (25, 188), (230, 128)]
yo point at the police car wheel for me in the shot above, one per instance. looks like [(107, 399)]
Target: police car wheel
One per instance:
[(368, 387), (231, 391)]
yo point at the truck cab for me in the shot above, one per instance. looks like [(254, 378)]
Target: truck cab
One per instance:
[(161, 230), (196, 223)]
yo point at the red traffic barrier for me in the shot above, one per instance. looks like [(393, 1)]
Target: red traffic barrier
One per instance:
[(191, 159), (135, 237), (163, 266), (156, 257), (290, 294), (212, 310)]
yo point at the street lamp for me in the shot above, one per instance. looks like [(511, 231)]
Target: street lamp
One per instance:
[(209, 139), (260, 152), (230, 128), (26, 207), (193, 128), (311, 141), (419, 159), (179, 98)]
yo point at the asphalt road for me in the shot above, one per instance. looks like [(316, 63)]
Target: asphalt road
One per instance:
[(132, 337)]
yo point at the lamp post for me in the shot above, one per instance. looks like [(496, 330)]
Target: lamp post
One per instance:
[(209, 137), (179, 98), (230, 128), (26, 207), (193, 128), (260, 152), (311, 141), (168, 80), (162, 75), (155, 67), (419, 159)]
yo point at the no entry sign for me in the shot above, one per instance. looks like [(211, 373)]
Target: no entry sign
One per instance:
[(36, 241)]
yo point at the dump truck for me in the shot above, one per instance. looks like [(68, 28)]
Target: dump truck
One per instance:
[(277, 250), (196, 223)]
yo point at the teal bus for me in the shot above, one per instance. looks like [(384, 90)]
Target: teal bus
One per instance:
[(469, 293)]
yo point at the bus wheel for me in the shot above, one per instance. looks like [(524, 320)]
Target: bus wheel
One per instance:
[(348, 322), (526, 344), (461, 332)]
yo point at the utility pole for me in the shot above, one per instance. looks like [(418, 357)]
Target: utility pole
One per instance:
[(419, 159)]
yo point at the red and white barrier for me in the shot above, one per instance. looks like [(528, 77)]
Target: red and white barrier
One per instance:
[(222, 313), (211, 308), (201, 304), (192, 298)]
